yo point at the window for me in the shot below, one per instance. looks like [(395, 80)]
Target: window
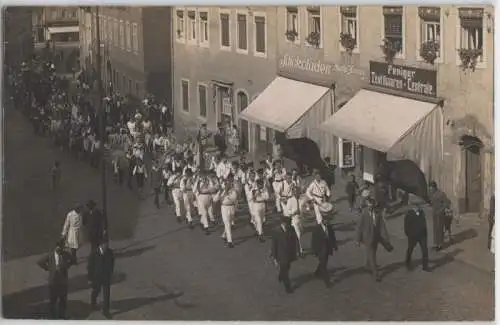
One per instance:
[(202, 100), (314, 26), (346, 153), (242, 101), (225, 34), (180, 24), (127, 36), (203, 21), (393, 27), (242, 32), (122, 35), (185, 95), (471, 30), (292, 24), (430, 29), (135, 39), (349, 21), (260, 34), (191, 28), (116, 36)]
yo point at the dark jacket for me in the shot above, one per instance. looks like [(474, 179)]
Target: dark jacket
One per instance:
[(321, 242), (351, 188), (369, 233), (284, 245), (380, 193), (104, 266), (415, 224), (94, 222), (57, 276)]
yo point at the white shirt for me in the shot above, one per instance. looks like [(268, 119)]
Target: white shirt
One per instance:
[(318, 191), (213, 164), (287, 189), (186, 184), (279, 174), (174, 181), (164, 109), (292, 207), (57, 259), (222, 171)]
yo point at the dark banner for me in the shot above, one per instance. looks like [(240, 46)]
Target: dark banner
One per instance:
[(402, 78)]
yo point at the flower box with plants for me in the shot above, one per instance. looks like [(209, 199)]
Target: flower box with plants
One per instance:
[(469, 57), (348, 42), (314, 39), (390, 49), (291, 35), (429, 51)]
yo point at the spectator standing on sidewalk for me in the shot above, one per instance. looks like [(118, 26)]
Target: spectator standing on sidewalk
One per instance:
[(55, 174), (72, 231), (102, 276), (57, 263), (96, 232), (440, 203), (352, 190), (415, 228)]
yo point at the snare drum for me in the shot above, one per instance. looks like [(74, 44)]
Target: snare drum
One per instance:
[(325, 207)]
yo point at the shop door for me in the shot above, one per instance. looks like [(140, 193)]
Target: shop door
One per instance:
[(224, 106), (242, 101), (473, 177)]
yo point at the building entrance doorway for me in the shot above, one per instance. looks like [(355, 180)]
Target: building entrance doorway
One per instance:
[(473, 173)]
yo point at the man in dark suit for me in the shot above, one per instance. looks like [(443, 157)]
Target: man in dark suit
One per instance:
[(57, 263), (284, 251), (96, 232), (415, 227), (101, 277), (323, 243), (371, 232)]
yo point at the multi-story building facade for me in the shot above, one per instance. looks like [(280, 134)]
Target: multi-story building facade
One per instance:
[(401, 82), (56, 33), (135, 48), (223, 57), (18, 41)]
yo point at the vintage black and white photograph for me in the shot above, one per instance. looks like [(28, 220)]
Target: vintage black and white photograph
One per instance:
[(245, 162)]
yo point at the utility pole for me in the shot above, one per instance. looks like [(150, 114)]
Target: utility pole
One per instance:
[(102, 119)]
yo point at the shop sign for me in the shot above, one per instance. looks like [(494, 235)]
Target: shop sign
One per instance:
[(405, 79), (296, 63)]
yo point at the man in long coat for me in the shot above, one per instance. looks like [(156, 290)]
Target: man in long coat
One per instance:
[(371, 232), (439, 203), (284, 251), (96, 232), (72, 232)]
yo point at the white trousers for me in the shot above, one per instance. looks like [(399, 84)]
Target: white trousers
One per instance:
[(188, 198), (204, 204), (227, 212), (178, 201), (277, 186), (319, 217), (259, 209), (250, 206)]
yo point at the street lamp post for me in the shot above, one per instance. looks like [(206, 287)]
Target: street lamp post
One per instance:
[(102, 120)]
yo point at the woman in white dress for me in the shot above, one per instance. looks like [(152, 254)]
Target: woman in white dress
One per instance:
[(72, 231)]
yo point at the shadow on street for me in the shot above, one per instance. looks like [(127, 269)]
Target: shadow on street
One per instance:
[(26, 303), (30, 206)]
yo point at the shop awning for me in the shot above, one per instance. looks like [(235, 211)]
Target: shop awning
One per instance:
[(65, 29), (376, 120), (283, 103)]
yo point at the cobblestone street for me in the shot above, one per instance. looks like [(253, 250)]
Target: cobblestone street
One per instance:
[(165, 271)]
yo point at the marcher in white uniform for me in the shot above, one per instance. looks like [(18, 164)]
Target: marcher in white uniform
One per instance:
[(174, 184), (202, 190), (249, 187), (287, 190), (278, 177), (229, 199), (260, 195), (318, 192), (187, 186), (222, 169), (293, 211), (214, 190)]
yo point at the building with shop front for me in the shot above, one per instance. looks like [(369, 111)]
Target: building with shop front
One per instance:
[(223, 58), (389, 83), (135, 48), (56, 35), (18, 36)]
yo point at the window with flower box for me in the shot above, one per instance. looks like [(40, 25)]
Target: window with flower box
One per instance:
[(349, 27), (393, 27), (430, 33), (179, 24), (471, 43), (313, 35)]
